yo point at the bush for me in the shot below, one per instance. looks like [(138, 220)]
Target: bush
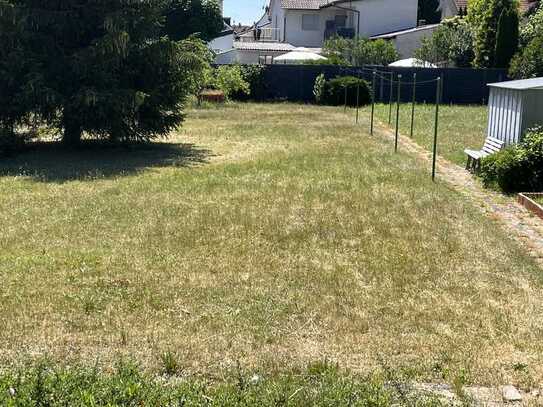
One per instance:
[(228, 79), (518, 168), (253, 75), (334, 91), (359, 51)]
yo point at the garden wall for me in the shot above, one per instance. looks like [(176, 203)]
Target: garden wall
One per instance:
[(461, 86)]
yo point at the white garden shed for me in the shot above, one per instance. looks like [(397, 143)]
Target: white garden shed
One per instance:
[(514, 107)]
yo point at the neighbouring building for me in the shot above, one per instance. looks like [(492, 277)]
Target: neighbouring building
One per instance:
[(225, 40), (288, 24), (308, 23)]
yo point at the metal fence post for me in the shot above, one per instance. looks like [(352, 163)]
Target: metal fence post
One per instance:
[(357, 97), (398, 114), (413, 104), (390, 98), (434, 152), (373, 102), (345, 106)]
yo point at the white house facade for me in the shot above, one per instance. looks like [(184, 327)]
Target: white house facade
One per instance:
[(224, 42), (308, 23)]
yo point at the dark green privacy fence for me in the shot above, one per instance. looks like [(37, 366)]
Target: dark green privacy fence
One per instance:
[(460, 86)]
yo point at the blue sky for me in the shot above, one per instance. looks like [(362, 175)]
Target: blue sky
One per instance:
[(244, 11)]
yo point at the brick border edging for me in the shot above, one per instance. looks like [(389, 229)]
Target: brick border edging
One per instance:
[(525, 200)]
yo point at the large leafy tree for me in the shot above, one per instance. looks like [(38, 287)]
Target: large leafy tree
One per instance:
[(188, 17), (528, 62), (100, 68), (15, 83), (450, 44), (429, 11), (532, 26), (484, 16)]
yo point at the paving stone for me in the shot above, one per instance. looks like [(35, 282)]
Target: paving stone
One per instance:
[(510, 394)]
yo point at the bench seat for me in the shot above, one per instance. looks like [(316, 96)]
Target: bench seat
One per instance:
[(491, 146)]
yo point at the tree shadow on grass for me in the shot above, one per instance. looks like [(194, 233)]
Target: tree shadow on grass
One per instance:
[(50, 162)]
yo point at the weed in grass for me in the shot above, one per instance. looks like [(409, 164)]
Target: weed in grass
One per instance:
[(170, 362)]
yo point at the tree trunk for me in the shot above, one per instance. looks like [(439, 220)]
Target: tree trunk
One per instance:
[(72, 132)]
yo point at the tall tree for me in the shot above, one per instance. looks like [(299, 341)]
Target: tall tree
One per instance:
[(528, 62), (100, 68), (188, 17), (429, 11), (483, 16), (450, 44), (507, 38)]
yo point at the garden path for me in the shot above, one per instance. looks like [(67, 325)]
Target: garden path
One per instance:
[(526, 227)]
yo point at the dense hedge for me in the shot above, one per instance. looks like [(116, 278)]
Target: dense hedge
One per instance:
[(333, 93), (518, 168)]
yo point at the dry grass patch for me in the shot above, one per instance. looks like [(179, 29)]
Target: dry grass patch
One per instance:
[(460, 127), (293, 237)]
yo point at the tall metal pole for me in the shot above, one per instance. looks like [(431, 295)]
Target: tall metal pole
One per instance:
[(413, 104), (398, 114), (390, 98), (373, 102), (434, 153)]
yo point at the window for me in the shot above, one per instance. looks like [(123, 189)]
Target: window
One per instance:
[(265, 59), (310, 22), (341, 21)]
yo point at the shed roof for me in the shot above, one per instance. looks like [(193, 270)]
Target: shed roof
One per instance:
[(524, 84), (403, 32)]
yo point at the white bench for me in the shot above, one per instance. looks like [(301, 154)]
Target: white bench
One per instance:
[(492, 146)]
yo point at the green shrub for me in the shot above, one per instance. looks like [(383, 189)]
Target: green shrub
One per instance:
[(228, 79), (518, 168), (334, 91), (253, 76), (358, 51)]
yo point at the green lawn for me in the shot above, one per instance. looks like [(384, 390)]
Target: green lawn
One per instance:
[(460, 127), (264, 236)]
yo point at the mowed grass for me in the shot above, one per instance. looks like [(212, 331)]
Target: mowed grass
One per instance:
[(264, 236), (460, 127)]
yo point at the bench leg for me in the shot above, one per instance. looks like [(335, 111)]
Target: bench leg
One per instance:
[(468, 163)]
